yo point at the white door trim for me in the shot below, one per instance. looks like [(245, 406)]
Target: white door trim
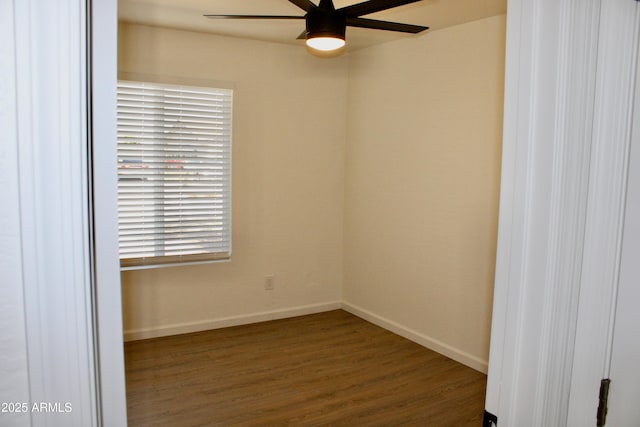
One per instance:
[(564, 148), (106, 260), (617, 62), (70, 272), (51, 106), (623, 409)]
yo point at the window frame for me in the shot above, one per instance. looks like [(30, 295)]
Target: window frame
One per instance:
[(188, 259)]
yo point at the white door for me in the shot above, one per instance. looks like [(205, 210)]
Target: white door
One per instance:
[(624, 394)]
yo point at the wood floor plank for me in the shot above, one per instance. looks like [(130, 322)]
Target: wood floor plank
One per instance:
[(324, 369)]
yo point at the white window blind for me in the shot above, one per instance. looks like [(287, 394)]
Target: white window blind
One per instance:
[(174, 173)]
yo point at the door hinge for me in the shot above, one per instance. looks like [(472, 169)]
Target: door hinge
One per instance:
[(489, 420), (602, 402)]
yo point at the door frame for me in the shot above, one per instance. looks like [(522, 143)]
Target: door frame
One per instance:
[(625, 350), (64, 67), (569, 80), (107, 306)]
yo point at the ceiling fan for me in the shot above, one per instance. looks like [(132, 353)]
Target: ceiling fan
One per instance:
[(326, 25)]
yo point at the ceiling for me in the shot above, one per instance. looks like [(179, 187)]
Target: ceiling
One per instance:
[(187, 15)]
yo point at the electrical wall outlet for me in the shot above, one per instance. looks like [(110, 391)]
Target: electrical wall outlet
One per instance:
[(269, 282)]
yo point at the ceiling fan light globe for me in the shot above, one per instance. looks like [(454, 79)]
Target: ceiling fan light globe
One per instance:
[(325, 43)]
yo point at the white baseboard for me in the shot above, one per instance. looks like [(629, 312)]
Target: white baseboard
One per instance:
[(204, 325), (424, 340)]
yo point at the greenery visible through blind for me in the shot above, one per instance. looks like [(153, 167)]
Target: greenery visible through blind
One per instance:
[(174, 173)]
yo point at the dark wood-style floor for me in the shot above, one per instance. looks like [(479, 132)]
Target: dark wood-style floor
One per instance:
[(324, 369)]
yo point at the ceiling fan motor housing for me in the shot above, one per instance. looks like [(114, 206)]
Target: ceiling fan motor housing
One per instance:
[(326, 23), (326, 26)]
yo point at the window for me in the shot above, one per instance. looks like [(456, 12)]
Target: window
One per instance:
[(174, 173)]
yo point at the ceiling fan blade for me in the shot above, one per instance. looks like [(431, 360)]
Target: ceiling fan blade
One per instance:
[(302, 36), (303, 4), (253, 17), (373, 6), (384, 25)]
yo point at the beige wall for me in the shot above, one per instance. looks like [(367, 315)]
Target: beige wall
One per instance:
[(288, 177), (422, 182), (412, 197)]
